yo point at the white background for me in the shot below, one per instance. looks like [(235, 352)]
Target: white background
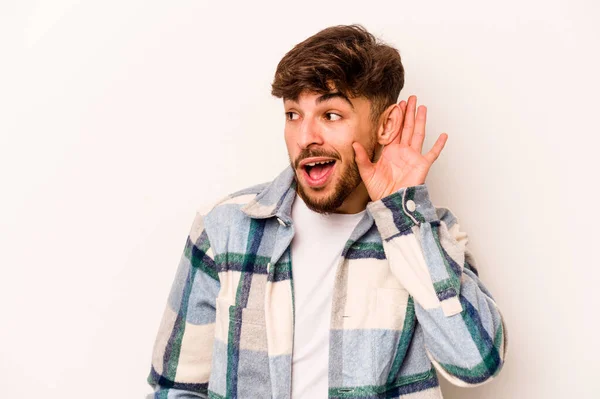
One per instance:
[(118, 119)]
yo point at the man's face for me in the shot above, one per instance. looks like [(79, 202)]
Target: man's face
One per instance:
[(320, 128)]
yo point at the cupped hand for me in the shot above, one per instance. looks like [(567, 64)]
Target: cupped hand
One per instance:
[(401, 163)]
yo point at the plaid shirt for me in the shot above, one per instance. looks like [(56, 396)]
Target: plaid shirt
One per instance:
[(407, 303)]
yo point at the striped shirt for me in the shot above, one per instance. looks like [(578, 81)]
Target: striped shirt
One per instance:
[(407, 303)]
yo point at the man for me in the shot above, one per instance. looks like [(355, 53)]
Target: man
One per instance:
[(340, 278)]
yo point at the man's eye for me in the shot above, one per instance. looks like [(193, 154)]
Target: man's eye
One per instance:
[(290, 116), (333, 117)]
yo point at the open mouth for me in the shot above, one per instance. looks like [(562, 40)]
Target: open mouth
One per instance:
[(317, 173)]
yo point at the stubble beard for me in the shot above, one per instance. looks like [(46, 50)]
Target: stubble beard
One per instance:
[(343, 188)]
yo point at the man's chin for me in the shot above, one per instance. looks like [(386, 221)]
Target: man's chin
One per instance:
[(317, 206), (329, 197), (322, 199)]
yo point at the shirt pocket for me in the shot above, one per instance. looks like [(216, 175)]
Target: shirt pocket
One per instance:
[(247, 326), (392, 309)]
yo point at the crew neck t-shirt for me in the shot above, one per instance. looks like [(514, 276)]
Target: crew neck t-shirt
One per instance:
[(316, 248)]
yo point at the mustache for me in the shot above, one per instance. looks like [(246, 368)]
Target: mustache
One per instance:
[(306, 153)]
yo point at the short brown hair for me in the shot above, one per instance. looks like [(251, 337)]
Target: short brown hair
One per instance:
[(357, 63)]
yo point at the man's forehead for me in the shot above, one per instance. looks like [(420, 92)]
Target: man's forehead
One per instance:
[(322, 97)]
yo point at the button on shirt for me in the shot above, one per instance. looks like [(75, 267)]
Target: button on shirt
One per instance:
[(316, 248)]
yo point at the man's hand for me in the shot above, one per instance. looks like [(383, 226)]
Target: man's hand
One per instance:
[(401, 163)]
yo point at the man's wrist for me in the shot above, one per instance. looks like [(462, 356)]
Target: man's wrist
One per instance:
[(401, 210)]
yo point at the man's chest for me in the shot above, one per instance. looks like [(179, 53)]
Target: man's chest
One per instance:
[(370, 319)]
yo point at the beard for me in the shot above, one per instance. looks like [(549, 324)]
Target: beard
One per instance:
[(344, 186), (349, 180)]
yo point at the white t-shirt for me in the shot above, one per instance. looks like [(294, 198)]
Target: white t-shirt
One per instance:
[(316, 247)]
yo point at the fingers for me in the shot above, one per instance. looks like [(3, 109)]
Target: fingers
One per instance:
[(365, 167), (419, 132), (435, 151), (402, 105), (409, 121), (403, 108)]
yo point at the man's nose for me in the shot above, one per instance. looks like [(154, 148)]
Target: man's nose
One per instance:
[(310, 133)]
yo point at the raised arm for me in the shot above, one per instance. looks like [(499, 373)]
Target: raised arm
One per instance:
[(465, 334)]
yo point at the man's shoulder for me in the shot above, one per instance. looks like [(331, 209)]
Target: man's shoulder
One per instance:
[(224, 218), (232, 201)]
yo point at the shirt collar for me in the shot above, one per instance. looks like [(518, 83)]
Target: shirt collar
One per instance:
[(275, 199)]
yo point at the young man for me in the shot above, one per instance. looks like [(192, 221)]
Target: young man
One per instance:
[(340, 278)]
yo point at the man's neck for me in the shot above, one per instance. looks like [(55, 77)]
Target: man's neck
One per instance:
[(356, 201)]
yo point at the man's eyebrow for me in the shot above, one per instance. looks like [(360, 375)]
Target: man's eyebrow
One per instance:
[(329, 96)]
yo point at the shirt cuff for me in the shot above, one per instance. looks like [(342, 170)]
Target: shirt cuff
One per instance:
[(401, 210)]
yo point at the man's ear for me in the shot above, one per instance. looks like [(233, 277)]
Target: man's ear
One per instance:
[(389, 125)]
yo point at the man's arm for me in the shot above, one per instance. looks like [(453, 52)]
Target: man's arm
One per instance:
[(182, 355), (465, 334)]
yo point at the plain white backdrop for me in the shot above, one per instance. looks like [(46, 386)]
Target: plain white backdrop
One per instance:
[(118, 119)]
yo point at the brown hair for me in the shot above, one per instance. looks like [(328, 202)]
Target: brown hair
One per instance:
[(349, 57)]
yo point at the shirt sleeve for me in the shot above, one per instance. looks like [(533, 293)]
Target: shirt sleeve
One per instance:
[(465, 333), (182, 354)]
